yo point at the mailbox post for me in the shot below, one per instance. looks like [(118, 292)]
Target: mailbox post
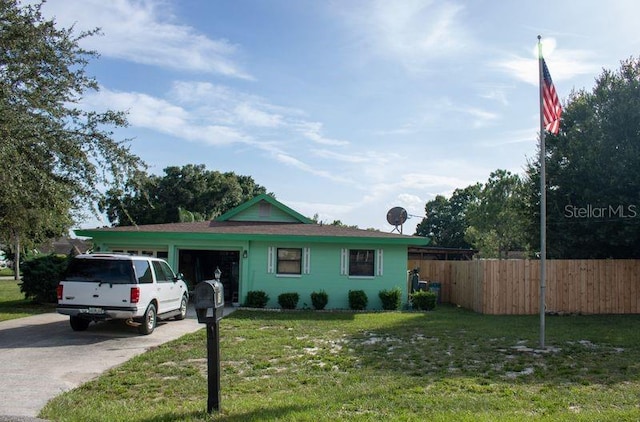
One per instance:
[(209, 305)]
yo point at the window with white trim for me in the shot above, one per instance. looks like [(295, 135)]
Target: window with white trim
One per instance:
[(361, 262), (289, 261)]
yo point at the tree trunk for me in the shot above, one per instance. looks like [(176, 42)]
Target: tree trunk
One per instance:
[(16, 257)]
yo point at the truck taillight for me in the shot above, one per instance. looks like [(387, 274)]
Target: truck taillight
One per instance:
[(59, 291), (135, 295)]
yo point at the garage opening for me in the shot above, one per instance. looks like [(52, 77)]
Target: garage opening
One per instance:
[(197, 265)]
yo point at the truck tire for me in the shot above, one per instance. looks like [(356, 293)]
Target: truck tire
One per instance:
[(183, 308), (148, 320), (78, 324)]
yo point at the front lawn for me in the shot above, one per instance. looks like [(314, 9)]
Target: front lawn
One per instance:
[(6, 272), (446, 365), (14, 305)]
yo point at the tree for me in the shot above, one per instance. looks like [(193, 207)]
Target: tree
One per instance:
[(446, 219), (188, 193), (337, 223), (593, 172), (54, 154), (496, 219)]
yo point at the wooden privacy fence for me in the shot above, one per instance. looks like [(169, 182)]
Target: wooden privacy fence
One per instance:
[(512, 287)]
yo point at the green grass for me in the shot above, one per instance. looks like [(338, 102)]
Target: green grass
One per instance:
[(446, 365), (14, 305), (6, 272)]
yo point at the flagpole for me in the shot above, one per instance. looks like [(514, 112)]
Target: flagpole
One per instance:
[(543, 203)]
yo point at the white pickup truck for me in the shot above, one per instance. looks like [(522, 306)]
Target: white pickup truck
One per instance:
[(141, 289)]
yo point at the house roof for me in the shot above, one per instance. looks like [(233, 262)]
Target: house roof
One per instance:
[(64, 246), (261, 218), (251, 230)]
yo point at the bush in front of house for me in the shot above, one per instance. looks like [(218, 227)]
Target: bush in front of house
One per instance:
[(40, 277), (256, 299), (288, 300), (358, 300), (319, 300), (424, 301), (390, 299)]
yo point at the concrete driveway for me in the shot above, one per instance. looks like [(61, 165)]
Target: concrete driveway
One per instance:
[(41, 357)]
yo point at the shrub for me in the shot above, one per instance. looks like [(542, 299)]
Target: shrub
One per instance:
[(424, 301), (256, 299), (40, 277), (288, 300), (358, 300), (390, 298), (319, 300)]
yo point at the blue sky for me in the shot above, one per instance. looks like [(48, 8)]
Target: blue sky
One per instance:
[(345, 108)]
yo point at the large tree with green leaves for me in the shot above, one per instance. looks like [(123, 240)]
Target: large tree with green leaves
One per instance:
[(188, 193), (593, 172), (446, 219), (496, 219), (54, 154)]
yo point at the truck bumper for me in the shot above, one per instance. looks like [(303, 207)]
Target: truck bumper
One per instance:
[(97, 313)]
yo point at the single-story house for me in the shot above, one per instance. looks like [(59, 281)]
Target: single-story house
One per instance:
[(265, 245), (64, 246)]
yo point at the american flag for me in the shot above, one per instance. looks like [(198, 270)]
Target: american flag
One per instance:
[(550, 103)]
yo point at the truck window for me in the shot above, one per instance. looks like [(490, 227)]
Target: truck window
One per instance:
[(143, 271), (100, 271), (163, 272)]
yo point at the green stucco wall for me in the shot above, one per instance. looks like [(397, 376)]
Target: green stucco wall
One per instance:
[(324, 274), (264, 211)]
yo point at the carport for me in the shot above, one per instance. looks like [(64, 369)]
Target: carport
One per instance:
[(197, 265)]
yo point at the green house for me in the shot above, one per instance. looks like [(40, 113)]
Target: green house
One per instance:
[(265, 245)]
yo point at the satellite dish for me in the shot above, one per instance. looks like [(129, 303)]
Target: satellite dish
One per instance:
[(396, 216)]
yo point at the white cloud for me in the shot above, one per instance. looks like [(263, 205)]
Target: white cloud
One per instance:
[(412, 32), (251, 115), (496, 93), (313, 132), (300, 165), (217, 115), (225, 104), (142, 32), (344, 157), (564, 64), (481, 117), (156, 114), (528, 135)]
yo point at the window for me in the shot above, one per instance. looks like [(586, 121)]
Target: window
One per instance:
[(289, 261), (100, 271), (143, 271), (146, 252), (361, 262), (163, 272), (264, 209)]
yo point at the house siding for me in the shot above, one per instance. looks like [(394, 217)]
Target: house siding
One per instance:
[(266, 212), (325, 274)]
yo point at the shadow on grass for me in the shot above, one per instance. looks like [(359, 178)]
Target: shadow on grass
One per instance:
[(20, 306), (292, 315), (266, 414)]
